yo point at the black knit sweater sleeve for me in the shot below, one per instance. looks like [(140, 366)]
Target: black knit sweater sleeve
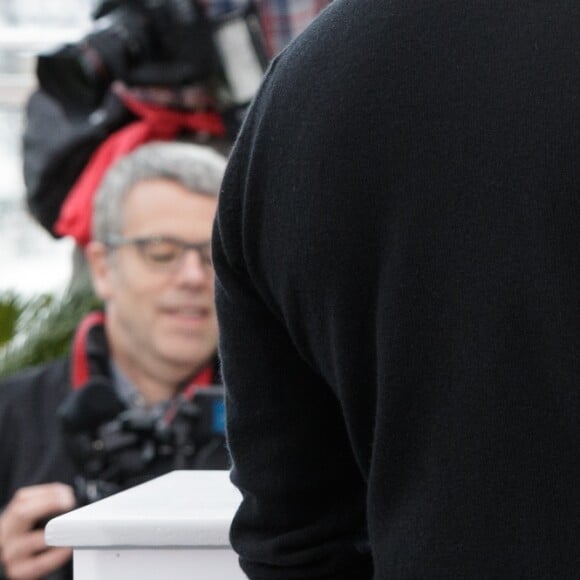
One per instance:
[(303, 510), (398, 232)]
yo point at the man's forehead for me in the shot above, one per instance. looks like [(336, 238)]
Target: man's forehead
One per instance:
[(165, 207), (161, 185)]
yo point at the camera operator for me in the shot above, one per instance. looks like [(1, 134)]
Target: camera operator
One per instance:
[(150, 262)]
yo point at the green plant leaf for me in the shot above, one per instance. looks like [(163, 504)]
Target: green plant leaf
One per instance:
[(44, 328), (10, 310)]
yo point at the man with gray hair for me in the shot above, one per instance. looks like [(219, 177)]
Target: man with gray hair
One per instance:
[(151, 349)]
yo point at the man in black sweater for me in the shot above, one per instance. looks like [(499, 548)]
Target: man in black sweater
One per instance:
[(397, 251)]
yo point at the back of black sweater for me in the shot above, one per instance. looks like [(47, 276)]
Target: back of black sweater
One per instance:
[(398, 259)]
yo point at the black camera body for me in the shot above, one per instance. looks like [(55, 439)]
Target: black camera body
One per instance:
[(114, 447), (167, 43)]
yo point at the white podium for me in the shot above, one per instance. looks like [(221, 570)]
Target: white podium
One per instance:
[(174, 527)]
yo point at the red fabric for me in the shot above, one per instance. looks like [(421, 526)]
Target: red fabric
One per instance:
[(203, 379), (154, 124), (80, 363)]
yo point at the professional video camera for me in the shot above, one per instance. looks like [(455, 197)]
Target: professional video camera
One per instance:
[(115, 448), (161, 48), (166, 43)]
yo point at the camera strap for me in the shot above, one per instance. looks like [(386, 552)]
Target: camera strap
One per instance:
[(80, 360), (204, 379)]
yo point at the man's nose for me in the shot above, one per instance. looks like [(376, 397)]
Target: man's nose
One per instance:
[(193, 269)]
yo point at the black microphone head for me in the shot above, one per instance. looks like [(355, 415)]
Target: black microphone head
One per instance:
[(92, 405)]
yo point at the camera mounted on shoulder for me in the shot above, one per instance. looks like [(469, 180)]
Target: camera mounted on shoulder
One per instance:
[(169, 43), (164, 53)]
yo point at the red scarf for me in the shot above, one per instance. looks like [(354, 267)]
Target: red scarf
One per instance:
[(155, 123)]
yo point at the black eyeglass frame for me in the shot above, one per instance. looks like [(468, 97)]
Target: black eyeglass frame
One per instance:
[(141, 243)]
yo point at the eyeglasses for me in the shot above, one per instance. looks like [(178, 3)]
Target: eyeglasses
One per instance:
[(164, 252)]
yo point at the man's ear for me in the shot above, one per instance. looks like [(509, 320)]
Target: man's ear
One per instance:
[(100, 267)]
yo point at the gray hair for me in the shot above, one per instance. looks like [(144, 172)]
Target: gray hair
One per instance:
[(199, 169)]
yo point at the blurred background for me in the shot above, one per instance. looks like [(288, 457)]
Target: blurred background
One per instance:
[(31, 262)]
